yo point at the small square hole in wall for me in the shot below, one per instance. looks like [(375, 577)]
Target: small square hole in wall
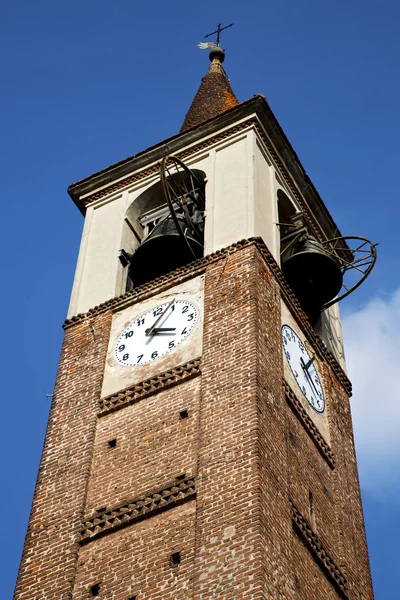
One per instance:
[(95, 590), (112, 443), (180, 476), (132, 598), (175, 559), (184, 414)]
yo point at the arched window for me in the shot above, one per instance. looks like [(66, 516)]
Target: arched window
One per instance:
[(163, 240)]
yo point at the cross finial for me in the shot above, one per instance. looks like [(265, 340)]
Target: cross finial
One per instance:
[(218, 32)]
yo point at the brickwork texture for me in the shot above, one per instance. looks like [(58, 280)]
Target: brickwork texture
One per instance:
[(213, 488)]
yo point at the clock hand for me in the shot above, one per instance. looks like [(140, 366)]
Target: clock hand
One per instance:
[(305, 368), (310, 362), (150, 331), (157, 330)]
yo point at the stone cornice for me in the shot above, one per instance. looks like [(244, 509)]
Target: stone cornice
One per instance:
[(256, 112), (316, 548), (294, 183), (309, 425), (144, 506), (198, 267), (151, 386)]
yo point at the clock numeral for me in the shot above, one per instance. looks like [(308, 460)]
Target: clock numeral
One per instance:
[(157, 312), (190, 317), (172, 307), (139, 358), (185, 309), (301, 346), (303, 389), (128, 334), (155, 354), (287, 355), (125, 356), (121, 347), (184, 331), (295, 373), (140, 322), (284, 341), (171, 345)]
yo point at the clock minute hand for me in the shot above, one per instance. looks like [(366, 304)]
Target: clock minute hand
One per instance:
[(150, 331), (157, 330)]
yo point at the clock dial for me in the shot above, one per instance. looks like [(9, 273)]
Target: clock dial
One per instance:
[(155, 333), (303, 367)]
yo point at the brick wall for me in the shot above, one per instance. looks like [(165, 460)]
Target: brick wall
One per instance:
[(154, 444), (48, 564), (227, 485)]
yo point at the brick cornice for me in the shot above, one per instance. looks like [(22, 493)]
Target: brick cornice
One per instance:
[(144, 506), (316, 548), (151, 386), (309, 425), (156, 286), (198, 267)]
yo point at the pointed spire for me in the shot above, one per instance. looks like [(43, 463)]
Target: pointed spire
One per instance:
[(214, 96)]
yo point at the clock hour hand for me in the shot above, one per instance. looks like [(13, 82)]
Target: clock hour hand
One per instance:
[(150, 331), (156, 330), (306, 366)]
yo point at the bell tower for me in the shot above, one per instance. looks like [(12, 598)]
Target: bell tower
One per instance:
[(200, 442)]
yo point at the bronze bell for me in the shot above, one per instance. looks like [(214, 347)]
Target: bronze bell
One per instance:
[(163, 250), (312, 273)]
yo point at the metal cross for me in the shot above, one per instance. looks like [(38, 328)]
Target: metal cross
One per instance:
[(218, 31)]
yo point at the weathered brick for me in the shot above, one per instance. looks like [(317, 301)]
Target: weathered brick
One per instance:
[(245, 530)]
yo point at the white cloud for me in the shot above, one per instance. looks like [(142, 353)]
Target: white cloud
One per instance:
[(372, 343)]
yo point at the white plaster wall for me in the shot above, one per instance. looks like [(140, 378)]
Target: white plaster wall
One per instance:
[(230, 208), (265, 200), (97, 269)]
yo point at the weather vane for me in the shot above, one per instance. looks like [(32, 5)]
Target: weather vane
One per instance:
[(206, 45)]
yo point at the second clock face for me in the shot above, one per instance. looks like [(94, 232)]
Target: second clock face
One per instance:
[(155, 333), (303, 368)]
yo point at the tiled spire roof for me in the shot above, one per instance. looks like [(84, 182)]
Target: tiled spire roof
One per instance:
[(214, 95)]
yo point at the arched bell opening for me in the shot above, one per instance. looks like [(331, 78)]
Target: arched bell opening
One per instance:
[(286, 211), (168, 222)]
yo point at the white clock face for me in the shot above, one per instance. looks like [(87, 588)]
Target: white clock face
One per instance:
[(303, 368), (155, 333)]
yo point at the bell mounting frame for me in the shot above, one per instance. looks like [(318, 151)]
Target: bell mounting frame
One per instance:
[(354, 271), (177, 190)]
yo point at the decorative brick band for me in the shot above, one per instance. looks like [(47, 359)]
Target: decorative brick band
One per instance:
[(198, 267), (158, 285), (149, 387), (314, 545), (309, 425), (151, 503)]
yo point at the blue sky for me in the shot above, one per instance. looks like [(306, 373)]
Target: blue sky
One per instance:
[(85, 84)]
